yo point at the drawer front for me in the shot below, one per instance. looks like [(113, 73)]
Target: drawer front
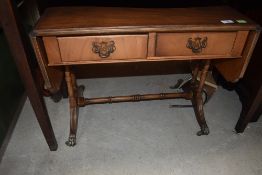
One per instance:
[(85, 48), (193, 44)]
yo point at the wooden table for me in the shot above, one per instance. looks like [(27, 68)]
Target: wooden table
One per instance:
[(66, 37)]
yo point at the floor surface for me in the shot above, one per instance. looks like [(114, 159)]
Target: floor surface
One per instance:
[(143, 138)]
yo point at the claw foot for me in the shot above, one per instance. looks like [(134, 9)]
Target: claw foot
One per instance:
[(204, 131), (71, 141)]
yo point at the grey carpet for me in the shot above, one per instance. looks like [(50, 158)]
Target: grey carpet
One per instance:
[(143, 138)]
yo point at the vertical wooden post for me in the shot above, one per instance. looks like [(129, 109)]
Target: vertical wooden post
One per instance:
[(197, 97), (249, 111), (20, 47)]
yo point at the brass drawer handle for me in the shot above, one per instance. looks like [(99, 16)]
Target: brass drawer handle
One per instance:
[(104, 49), (197, 44)]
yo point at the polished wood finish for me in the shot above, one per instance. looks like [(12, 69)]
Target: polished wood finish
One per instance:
[(20, 46), (139, 48), (197, 96), (134, 98), (194, 94), (66, 21), (172, 44), (239, 43), (73, 20), (53, 76), (133, 48), (73, 96), (52, 50), (75, 49), (151, 51), (121, 35), (240, 65)]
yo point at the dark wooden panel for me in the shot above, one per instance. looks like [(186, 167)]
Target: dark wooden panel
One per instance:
[(11, 88), (19, 44)]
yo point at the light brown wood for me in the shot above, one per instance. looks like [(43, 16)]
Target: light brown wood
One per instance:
[(72, 21), (80, 48), (52, 50), (175, 44), (53, 76), (233, 70), (151, 44), (135, 48), (239, 43), (136, 98)]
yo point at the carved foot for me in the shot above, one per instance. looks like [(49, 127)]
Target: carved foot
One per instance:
[(71, 141), (204, 131)]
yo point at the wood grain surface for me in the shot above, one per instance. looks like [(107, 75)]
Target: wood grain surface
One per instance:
[(174, 44), (80, 48), (77, 20)]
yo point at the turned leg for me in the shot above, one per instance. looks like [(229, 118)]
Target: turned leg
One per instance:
[(79, 90), (72, 95), (197, 96)]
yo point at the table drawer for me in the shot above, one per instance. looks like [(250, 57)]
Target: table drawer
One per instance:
[(191, 44), (85, 48)]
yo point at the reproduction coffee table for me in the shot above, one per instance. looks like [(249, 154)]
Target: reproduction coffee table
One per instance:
[(65, 37)]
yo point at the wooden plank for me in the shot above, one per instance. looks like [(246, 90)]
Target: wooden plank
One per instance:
[(175, 44), (75, 17)]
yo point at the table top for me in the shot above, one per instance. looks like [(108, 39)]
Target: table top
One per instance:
[(68, 20)]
